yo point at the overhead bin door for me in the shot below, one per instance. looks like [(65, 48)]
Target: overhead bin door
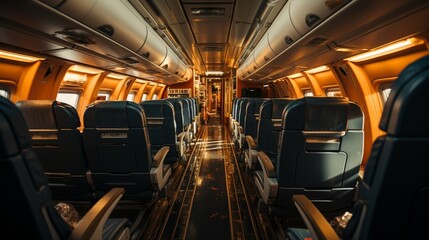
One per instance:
[(154, 48), (305, 14), (181, 69), (171, 61), (282, 33), (115, 19), (188, 74), (263, 52)]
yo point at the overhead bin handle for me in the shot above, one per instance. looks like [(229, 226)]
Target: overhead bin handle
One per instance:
[(311, 20), (146, 55), (106, 29), (288, 40)]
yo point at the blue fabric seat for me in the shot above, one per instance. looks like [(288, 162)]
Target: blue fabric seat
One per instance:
[(118, 150), (267, 131), (161, 124), (394, 194), (28, 209), (320, 150), (57, 141)]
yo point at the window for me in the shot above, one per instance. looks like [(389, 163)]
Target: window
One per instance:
[(333, 92), (5, 93), (308, 93), (71, 98), (144, 97), (131, 96), (384, 91), (155, 96), (103, 95)]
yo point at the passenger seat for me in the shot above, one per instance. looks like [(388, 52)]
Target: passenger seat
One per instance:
[(57, 141), (117, 145), (28, 208)]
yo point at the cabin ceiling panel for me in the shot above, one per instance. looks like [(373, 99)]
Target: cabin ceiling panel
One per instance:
[(197, 25), (41, 28), (33, 43)]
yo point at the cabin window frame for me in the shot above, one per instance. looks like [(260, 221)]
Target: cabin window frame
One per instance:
[(106, 93), (332, 90), (8, 88), (384, 90), (77, 92), (133, 94), (307, 92), (144, 96)]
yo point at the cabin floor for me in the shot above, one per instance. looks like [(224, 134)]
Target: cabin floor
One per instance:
[(212, 196)]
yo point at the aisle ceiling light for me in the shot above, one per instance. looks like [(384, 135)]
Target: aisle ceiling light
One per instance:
[(18, 57), (394, 47)]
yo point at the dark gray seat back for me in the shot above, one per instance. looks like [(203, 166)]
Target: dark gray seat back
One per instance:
[(161, 126), (270, 125), (320, 152), (57, 141), (394, 194), (118, 147)]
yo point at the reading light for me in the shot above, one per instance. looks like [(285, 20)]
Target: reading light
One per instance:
[(296, 75), (18, 57), (119, 68), (386, 50), (115, 76), (140, 81), (344, 49), (214, 73), (82, 69), (75, 78), (317, 69)]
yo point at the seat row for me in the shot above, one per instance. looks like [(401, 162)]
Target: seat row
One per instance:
[(311, 146), (122, 144), (29, 209)]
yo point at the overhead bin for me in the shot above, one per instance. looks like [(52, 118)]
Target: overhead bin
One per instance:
[(115, 19), (120, 21), (239, 73), (252, 66), (282, 33), (154, 48), (188, 74), (306, 14), (296, 19), (262, 52), (181, 69), (171, 61)]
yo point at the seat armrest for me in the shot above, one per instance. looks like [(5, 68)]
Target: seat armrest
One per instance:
[(159, 173), (159, 157), (316, 223), (181, 144), (250, 142), (266, 164), (266, 180), (250, 154), (92, 223)]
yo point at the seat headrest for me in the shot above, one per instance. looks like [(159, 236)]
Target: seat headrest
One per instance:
[(273, 109), (405, 112), (157, 108), (114, 114), (14, 134), (317, 114), (177, 104), (49, 114), (38, 114), (253, 105)]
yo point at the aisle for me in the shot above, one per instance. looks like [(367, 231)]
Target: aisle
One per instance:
[(211, 202)]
